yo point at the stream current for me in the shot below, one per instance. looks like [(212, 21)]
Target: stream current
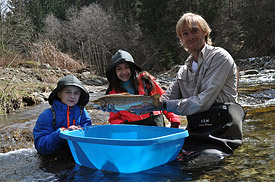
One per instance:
[(252, 161)]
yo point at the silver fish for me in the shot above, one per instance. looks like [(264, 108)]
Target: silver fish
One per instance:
[(125, 101)]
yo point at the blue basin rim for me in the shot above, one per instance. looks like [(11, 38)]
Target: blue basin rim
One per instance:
[(124, 142)]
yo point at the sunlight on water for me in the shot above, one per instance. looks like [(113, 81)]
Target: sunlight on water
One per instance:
[(22, 165), (264, 77)]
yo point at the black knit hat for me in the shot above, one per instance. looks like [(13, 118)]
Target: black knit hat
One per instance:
[(121, 57), (70, 80)]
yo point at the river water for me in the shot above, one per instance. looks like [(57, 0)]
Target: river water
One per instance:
[(253, 161)]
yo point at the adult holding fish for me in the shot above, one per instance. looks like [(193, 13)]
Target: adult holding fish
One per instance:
[(125, 76), (205, 91)]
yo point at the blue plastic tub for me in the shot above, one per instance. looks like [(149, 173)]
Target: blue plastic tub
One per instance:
[(124, 148)]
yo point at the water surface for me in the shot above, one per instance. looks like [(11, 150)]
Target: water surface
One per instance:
[(252, 161)]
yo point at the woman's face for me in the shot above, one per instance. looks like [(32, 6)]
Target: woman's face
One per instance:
[(123, 72)]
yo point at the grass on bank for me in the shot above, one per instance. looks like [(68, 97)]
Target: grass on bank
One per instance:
[(12, 93)]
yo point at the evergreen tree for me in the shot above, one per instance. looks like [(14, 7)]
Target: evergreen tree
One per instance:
[(18, 26)]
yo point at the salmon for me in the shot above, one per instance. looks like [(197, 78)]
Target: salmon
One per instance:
[(125, 101)]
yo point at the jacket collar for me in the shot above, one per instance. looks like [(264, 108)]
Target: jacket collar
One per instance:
[(60, 105), (205, 51), (202, 56)]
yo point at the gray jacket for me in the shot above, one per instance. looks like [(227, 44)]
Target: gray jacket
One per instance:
[(214, 82)]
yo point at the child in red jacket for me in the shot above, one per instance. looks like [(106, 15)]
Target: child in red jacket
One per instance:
[(124, 75)]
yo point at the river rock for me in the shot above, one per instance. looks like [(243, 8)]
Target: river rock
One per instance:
[(44, 66), (251, 72), (86, 74), (56, 68), (30, 100)]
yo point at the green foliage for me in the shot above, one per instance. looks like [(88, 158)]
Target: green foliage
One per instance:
[(39, 9), (258, 24), (158, 20), (29, 64), (146, 28), (17, 28), (170, 60), (9, 99)]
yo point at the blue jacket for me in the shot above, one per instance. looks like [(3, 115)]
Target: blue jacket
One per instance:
[(46, 138)]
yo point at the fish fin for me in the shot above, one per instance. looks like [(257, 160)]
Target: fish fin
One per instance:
[(156, 101), (132, 112)]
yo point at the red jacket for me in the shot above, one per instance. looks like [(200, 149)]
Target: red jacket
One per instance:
[(121, 116)]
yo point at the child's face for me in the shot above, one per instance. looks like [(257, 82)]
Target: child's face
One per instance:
[(69, 95), (123, 72)]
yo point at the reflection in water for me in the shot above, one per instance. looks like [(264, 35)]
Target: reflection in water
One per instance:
[(23, 115), (253, 161), (27, 165), (170, 171)]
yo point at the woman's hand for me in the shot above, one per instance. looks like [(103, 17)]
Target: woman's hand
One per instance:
[(144, 108)]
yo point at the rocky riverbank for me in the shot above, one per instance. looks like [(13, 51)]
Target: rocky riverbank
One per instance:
[(29, 86)]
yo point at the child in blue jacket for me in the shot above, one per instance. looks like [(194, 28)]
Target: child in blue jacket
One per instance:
[(67, 113)]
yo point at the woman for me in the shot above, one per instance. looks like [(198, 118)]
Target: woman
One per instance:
[(124, 75)]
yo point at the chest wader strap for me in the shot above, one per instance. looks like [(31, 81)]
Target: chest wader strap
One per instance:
[(54, 115)]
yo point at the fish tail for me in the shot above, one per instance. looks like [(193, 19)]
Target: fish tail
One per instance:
[(156, 101)]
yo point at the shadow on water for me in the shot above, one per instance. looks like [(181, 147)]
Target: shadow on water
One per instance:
[(174, 171), (167, 172)]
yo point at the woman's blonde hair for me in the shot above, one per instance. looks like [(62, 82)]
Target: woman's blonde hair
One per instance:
[(188, 19)]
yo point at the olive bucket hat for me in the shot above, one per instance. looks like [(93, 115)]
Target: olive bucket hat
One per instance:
[(70, 80), (121, 57)]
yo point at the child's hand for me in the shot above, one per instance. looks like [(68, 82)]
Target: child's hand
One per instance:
[(63, 129), (71, 128)]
